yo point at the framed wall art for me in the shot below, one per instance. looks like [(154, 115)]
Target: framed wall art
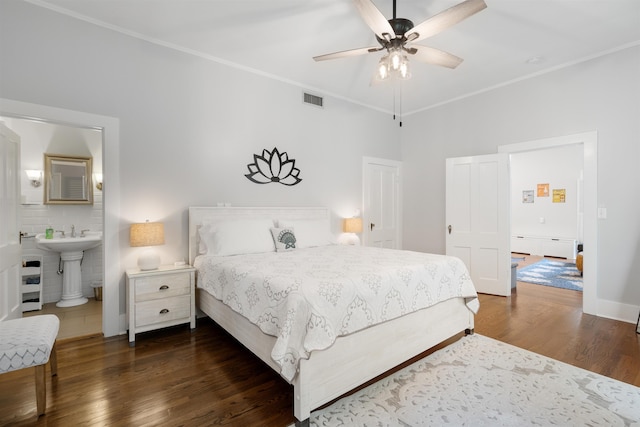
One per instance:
[(543, 190), (559, 195), (527, 196)]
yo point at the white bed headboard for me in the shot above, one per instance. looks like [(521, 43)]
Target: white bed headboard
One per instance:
[(198, 214)]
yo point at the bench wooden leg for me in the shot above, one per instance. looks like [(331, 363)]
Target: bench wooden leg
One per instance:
[(53, 360), (41, 380), (41, 389)]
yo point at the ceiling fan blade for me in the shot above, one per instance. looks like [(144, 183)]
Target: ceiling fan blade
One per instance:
[(435, 56), (445, 19), (346, 53), (374, 19)]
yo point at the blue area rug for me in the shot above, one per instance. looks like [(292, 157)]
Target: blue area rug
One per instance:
[(553, 273)]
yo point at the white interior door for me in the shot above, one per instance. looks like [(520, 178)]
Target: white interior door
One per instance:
[(478, 220), (10, 253), (381, 202)]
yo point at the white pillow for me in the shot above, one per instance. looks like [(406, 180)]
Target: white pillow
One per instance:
[(204, 234), (310, 232), (238, 237)]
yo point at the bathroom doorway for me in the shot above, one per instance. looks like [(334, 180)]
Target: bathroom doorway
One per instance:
[(39, 137), (113, 322)]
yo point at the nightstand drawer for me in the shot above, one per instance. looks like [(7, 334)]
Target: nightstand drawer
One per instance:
[(163, 310), (162, 286)]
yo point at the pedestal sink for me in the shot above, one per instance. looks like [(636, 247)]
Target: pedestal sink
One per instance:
[(71, 251)]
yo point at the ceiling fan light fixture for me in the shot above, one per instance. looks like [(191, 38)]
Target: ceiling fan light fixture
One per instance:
[(404, 72), (383, 68), (395, 59), (395, 67)]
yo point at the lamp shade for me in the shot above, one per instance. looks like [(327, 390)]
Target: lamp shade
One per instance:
[(352, 225), (146, 234)]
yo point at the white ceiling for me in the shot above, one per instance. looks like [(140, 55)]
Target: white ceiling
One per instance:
[(278, 38)]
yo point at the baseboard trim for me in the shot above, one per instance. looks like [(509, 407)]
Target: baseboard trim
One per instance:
[(618, 311)]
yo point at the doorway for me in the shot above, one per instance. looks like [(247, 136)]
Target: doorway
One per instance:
[(588, 141), (546, 215), (39, 137), (113, 323)]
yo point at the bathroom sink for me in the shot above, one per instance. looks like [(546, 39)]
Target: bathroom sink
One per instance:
[(71, 254), (69, 244)]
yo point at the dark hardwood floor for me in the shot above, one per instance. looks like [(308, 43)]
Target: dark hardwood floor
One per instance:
[(177, 378), (549, 321)]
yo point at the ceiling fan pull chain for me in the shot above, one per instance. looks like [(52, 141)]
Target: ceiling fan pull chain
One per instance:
[(400, 107), (394, 102)]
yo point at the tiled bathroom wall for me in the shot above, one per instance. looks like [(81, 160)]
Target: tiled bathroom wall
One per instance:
[(36, 218)]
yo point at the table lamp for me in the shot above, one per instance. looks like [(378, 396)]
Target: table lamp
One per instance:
[(352, 226), (147, 234)]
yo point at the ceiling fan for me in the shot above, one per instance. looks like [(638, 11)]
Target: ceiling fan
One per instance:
[(398, 35)]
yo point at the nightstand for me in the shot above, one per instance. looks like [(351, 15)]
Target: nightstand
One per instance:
[(160, 298)]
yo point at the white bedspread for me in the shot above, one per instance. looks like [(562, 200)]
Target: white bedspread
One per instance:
[(308, 297)]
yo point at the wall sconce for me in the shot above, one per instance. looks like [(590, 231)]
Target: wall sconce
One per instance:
[(97, 177), (352, 226), (147, 234), (35, 176)]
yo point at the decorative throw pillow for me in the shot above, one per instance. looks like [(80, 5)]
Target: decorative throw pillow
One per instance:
[(284, 239)]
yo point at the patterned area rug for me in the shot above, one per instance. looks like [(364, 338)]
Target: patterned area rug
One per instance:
[(552, 273), (478, 381)]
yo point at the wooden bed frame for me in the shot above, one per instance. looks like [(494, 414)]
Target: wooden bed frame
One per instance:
[(353, 359)]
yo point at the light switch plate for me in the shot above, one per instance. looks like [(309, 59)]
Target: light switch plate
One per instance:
[(602, 213)]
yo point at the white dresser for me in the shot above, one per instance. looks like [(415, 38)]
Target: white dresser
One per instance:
[(545, 246), (160, 298)]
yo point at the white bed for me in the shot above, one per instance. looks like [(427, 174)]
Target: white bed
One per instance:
[(352, 359)]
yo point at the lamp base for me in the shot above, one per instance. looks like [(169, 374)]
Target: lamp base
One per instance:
[(349, 239), (149, 259)]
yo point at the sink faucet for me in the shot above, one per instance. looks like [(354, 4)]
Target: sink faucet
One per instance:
[(73, 230)]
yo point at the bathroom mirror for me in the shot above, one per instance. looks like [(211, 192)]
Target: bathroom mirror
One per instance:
[(67, 180)]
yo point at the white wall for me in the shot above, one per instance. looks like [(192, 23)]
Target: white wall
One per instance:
[(561, 168), (188, 126), (600, 94)]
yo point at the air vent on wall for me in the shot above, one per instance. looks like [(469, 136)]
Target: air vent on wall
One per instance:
[(313, 99)]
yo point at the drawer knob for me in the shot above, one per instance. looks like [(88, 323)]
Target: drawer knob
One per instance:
[(164, 287), (164, 311)]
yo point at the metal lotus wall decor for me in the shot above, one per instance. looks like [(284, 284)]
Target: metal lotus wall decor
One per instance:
[(273, 166)]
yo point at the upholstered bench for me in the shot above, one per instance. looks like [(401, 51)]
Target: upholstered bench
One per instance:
[(30, 341)]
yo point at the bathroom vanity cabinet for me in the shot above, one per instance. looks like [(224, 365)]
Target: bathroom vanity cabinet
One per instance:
[(31, 287)]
